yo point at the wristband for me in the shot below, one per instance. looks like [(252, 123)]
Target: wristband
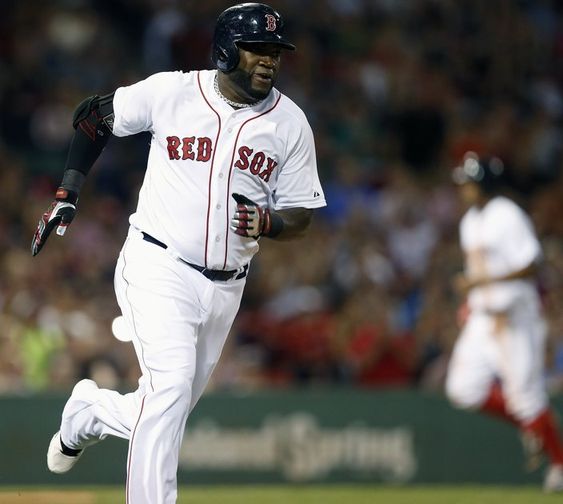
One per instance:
[(71, 183), (276, 225)]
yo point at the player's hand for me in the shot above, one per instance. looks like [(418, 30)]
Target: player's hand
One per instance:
[(461, 284), (249, 219), (462, 314), (59, 215)]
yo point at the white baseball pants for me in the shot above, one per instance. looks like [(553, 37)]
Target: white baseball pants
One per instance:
[(515, 355), (179, 322)]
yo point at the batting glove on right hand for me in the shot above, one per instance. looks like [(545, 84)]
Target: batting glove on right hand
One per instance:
[(249, 219), (59, 215)]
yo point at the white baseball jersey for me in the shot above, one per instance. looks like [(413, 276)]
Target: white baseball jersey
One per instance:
[(202, 151), (497, 240)]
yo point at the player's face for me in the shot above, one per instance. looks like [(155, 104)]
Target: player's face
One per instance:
[(470, 194), (257, 70)]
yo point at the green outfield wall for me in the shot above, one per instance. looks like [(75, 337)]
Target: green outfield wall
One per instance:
[(314, 436)]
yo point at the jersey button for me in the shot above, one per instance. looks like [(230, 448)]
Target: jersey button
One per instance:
[(220, 175), (230, 130), (218, 207), (217, 239)]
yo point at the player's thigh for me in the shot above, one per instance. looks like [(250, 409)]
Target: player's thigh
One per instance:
[(164, 302), (471, 369), (521, 358), (213, 334)]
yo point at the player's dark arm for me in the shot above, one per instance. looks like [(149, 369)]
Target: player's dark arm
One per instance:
[(294, 223), (252, 221), (528, 272), (93, 124), (465, 283)]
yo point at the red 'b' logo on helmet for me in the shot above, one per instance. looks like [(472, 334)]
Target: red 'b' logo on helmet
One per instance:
[(270, 22)]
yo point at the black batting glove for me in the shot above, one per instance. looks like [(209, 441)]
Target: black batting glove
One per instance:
[(59, 215), (249, 219)]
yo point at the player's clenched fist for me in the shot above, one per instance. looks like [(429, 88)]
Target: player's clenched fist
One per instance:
[(249, 219), (59, 215)]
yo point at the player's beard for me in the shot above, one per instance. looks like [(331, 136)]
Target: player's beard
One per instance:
[(243, 80)]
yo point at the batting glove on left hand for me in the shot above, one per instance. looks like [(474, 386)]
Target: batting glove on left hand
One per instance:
[(59, 215), (250, 219)]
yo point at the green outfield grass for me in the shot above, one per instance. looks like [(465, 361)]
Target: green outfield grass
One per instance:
[(351, 494)]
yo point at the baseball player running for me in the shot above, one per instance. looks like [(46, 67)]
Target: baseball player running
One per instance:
[(231, 160), (504, 334)]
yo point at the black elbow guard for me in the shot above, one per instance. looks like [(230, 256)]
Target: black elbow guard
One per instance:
[(94, 116), (93, 121)]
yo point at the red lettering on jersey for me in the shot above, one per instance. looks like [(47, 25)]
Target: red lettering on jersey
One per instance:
[(204, 149), (173, 144), (257, 163), (243, 152), (187, 144), (265, 175), (270, 22)]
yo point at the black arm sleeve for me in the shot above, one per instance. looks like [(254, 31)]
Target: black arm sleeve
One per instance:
[(93, 121)]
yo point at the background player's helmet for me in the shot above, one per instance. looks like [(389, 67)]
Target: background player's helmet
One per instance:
[(487, 173), (247, 22)]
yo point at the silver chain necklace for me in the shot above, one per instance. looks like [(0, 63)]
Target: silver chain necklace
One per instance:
[(231, 102)]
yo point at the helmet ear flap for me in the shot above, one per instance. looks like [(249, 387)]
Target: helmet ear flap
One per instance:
[(225, 56), (228, 58)]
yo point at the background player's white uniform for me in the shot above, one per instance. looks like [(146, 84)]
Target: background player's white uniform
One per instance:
[(504, 335), (202, 151)]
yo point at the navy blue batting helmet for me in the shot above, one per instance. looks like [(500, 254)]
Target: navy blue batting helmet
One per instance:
[(246, 22), (487, 173)]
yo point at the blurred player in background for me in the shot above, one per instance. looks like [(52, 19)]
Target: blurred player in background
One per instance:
[(231, 160), (497, 365)]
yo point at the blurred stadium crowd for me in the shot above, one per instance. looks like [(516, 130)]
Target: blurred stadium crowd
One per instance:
[(395, 90)]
